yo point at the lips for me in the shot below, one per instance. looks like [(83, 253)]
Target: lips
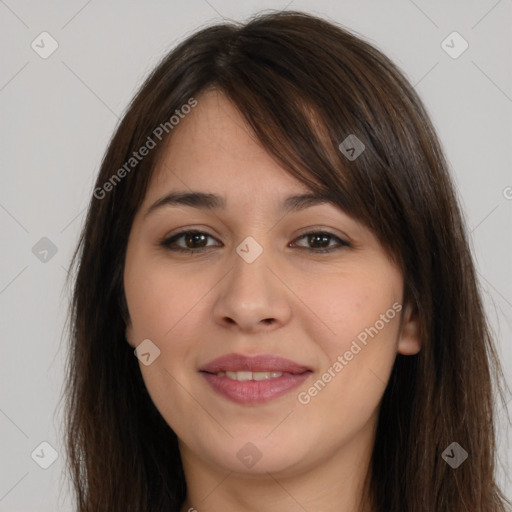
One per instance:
[(253, 379), (262, 363)]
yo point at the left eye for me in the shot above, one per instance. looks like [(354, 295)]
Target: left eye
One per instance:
[(196, 241), (322, 239)]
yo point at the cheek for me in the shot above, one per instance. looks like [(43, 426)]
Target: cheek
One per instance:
[(352, 304), (163, 307), (169, 308), (357, 336), (159, 299)]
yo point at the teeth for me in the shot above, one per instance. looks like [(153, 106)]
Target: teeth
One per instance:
[(239, 375), (266, 375), (244, 375)]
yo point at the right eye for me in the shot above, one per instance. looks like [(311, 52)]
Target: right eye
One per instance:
[(194, 241)]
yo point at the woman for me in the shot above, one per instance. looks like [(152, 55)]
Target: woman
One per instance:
[(275, 236)]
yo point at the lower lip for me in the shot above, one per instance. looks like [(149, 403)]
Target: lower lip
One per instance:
[(254, 391)]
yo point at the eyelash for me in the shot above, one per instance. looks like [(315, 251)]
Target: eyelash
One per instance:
[(167, 242)]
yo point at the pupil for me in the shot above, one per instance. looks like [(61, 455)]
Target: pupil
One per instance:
[(324, 239), (191, 239)]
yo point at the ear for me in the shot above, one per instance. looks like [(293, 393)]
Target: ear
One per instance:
[(129, 335), (409, 342)]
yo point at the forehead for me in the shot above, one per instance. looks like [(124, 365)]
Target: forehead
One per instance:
[(214, 148), (213, 151)]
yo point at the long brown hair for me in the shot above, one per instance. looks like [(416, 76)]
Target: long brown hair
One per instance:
[(303, 84)]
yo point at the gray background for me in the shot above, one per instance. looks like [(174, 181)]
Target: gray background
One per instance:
[(57, 115)]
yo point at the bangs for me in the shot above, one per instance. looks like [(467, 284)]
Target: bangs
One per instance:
[(302, 123)]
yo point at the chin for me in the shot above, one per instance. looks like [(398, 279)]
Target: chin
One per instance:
[(260, 457)]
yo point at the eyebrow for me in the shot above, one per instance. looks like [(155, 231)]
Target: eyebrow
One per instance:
[(207, 201)]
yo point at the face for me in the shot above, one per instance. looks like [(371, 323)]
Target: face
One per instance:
[(297, 299)]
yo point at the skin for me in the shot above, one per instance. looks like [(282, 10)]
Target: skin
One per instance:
[(291, 301)]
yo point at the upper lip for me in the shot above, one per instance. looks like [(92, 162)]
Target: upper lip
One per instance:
[(259, 363)]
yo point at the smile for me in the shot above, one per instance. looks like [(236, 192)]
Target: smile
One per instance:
[(253, 379)]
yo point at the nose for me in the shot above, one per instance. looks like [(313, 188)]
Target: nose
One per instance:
[(252, 297)]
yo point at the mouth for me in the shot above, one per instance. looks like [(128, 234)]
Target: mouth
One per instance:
[(243, 376), (253, 379)]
